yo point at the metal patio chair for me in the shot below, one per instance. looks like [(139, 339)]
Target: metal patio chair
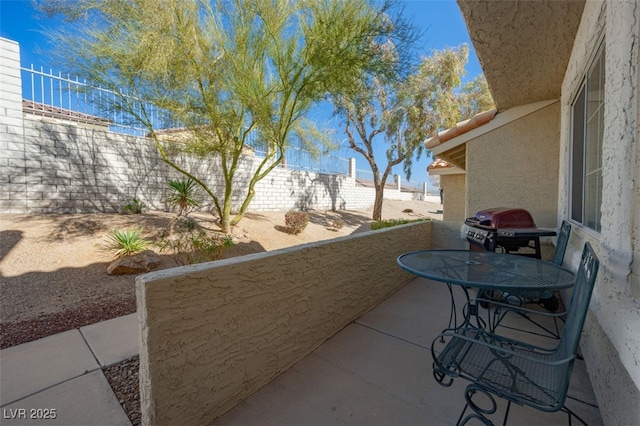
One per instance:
[(516, 302), (514, 370)]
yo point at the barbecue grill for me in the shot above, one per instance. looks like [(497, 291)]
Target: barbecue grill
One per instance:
[(508, 230), (505, 229)]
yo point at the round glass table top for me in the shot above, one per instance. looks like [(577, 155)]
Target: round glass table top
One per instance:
[(487, 270)]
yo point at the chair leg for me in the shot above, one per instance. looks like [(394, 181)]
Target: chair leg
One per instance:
[(570, 414), (478, 413)]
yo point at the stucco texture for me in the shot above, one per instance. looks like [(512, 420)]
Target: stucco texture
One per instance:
[(516, 165), (611, 340), (453, 206), (213, 333), (523, 46)]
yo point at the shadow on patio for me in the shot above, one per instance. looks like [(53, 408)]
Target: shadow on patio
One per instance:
[(333, 332), (377, 370)]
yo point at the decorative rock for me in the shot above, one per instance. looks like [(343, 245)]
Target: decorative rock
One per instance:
[(136, 264)]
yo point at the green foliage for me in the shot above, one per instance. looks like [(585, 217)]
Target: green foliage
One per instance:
[(127, 242), (228, 70), (135, 206), (475, 98), (296, 221), (183, 195), (190, 243), (408, 110), (393, 222)]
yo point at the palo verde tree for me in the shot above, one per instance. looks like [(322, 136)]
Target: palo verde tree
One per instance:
[(224, 70), (404, 111)]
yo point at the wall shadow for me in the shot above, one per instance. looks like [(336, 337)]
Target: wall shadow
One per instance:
[(306, 186), (8, 240), (241, 249)]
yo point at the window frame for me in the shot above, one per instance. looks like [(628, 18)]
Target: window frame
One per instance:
[(581, 96)]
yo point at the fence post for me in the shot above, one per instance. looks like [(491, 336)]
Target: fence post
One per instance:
[(424, 190), (352, 168), (398, 182)]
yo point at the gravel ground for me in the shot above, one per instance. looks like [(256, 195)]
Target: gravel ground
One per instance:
[(16, 333), (53, 270), (124, 380)]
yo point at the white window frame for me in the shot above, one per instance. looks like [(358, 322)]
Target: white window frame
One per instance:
[(587, 134)]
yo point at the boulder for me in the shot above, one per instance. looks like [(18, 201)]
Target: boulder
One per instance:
[(136, 264)]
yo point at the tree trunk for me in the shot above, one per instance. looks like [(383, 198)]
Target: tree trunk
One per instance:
[(225, 226), (244, 206), (377, 204), (225, 218)]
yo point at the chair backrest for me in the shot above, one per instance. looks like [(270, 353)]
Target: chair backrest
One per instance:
[(582, 289), (561, 243)]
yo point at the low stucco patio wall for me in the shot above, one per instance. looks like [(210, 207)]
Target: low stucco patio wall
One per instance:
[(213, 333)]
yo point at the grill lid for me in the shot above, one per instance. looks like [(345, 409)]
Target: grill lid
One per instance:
[(501, 217)]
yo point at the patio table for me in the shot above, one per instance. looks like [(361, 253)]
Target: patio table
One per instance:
[(488, 271)]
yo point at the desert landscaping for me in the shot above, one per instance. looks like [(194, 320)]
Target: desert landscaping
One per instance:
[(53, 268)]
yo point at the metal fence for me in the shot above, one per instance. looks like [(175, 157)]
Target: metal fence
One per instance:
[(367, 175), (66, 98), (57, 96), (418, 186)]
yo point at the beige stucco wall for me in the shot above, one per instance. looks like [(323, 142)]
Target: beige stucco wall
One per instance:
[(611, 341), (516, 165), (211, 334), (453, 197)]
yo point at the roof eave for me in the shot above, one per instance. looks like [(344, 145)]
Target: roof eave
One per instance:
[(523, 46)]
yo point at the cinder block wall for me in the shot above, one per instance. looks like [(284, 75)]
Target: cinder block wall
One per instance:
[(51, 166), (13, 185), (213, 333), (54, 167)]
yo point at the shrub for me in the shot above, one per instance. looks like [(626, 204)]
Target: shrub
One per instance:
[(295, 222), (393, 222), (135, 206), (337, 224), (183, 195), (190, 244), (127, 242)]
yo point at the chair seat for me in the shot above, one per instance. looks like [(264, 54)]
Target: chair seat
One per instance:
[(515, 370), (510, 369)]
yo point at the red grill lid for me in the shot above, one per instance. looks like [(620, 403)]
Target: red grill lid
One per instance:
[(502, 217)]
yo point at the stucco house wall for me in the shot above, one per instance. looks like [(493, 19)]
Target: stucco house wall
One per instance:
[(213, 333), (454, 197), (516, 165), (611, 337)]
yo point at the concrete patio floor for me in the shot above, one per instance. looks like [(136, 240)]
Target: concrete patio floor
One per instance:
[(377, 370)]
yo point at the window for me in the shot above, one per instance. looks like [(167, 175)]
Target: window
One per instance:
[(586, 146)]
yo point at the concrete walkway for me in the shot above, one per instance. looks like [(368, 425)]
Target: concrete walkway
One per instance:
[(375, 371), (60, 378)]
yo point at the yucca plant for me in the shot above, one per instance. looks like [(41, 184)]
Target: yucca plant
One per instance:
[(127, 242), (135, 206), (183, 195)]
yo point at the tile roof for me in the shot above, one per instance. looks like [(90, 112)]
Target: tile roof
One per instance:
[(461, 128), (37, 108), (439, 164)]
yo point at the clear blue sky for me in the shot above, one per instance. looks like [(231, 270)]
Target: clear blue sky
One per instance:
[(441, 20)]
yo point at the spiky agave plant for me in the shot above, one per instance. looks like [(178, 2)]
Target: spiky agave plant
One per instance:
[(183, 195), (127, 242)]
